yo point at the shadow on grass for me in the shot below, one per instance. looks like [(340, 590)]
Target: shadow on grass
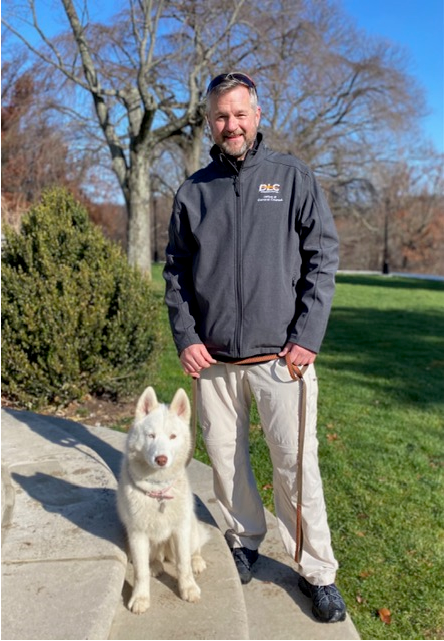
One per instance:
[(392, 282), (396, 351)]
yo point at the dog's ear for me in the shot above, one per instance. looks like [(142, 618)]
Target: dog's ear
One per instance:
[(180, 405), (146, 403)]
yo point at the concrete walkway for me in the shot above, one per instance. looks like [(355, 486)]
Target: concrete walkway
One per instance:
[(65, 573)]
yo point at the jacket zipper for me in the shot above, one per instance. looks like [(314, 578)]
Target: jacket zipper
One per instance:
[(238, 264)]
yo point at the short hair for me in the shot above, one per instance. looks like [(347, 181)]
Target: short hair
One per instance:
[(228, 81)]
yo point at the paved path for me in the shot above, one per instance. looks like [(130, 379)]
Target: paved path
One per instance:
[(65, 573)]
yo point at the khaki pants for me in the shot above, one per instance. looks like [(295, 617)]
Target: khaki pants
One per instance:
[(224, 399)]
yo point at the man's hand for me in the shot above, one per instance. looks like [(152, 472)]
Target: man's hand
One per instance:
[(194, 358), (298, 355)]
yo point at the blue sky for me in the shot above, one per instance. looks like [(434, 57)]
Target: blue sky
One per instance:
[(418, 26)]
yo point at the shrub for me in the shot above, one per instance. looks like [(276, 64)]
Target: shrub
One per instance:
[(76, 318)]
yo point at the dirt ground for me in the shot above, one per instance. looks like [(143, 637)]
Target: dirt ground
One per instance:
[(91, 411)]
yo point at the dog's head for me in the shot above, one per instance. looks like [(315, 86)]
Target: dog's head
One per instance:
[(161, 433)]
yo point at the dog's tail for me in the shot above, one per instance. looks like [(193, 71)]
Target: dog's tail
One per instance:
[(200, 534)]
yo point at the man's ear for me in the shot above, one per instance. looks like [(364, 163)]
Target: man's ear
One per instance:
[(258, 115)]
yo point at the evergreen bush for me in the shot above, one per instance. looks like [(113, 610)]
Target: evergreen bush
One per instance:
[(76, 318)]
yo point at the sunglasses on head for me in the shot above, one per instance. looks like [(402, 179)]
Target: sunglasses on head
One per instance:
[(240, 77)]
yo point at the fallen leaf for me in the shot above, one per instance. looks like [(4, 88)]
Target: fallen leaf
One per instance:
[(360, 533), (359, 599), (267, 487), (332, 437), (385, 615)]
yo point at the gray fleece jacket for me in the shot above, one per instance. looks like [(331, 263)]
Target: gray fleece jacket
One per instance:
[(251, 257)]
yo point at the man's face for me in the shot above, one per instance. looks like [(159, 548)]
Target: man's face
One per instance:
[(233, 121)]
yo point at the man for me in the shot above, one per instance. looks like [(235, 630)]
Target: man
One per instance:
[(250, 272)]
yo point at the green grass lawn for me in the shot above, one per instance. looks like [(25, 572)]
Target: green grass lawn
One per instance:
[(381, 445)]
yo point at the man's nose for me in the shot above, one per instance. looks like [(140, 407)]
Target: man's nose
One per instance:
[(231, 124)]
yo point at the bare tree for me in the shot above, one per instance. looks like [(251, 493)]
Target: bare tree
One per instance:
[(145, 73), (331, 93), (35, 149), (411, 214), (398, 221)]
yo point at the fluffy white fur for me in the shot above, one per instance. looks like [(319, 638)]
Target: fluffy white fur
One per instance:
[(154, 498)]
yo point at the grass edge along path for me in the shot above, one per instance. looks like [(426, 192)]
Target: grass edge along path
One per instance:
[(380, 428)]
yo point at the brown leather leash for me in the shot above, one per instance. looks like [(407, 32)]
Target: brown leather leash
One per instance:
[(297, 374)]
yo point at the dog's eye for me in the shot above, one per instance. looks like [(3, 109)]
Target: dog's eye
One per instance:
[(151, 436), (173, 436)]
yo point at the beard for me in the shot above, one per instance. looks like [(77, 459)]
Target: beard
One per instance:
[(231, 150), (234, 150)]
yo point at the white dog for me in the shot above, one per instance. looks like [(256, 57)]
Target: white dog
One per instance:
[(154, 498)]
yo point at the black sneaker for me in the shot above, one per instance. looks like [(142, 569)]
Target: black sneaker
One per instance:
[(328, 604), (244, 559)]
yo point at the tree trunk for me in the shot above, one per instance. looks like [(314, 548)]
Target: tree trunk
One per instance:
[(193, 151), (139, 214)]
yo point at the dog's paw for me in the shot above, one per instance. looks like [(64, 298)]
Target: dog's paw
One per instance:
[(190, 593), (198, 564), (156, 568), (139, 604)]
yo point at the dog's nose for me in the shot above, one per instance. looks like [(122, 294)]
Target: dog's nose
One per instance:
[(161, 460)]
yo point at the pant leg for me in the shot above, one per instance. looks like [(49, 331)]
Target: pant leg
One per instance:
[(279, 403), (224, 400)]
